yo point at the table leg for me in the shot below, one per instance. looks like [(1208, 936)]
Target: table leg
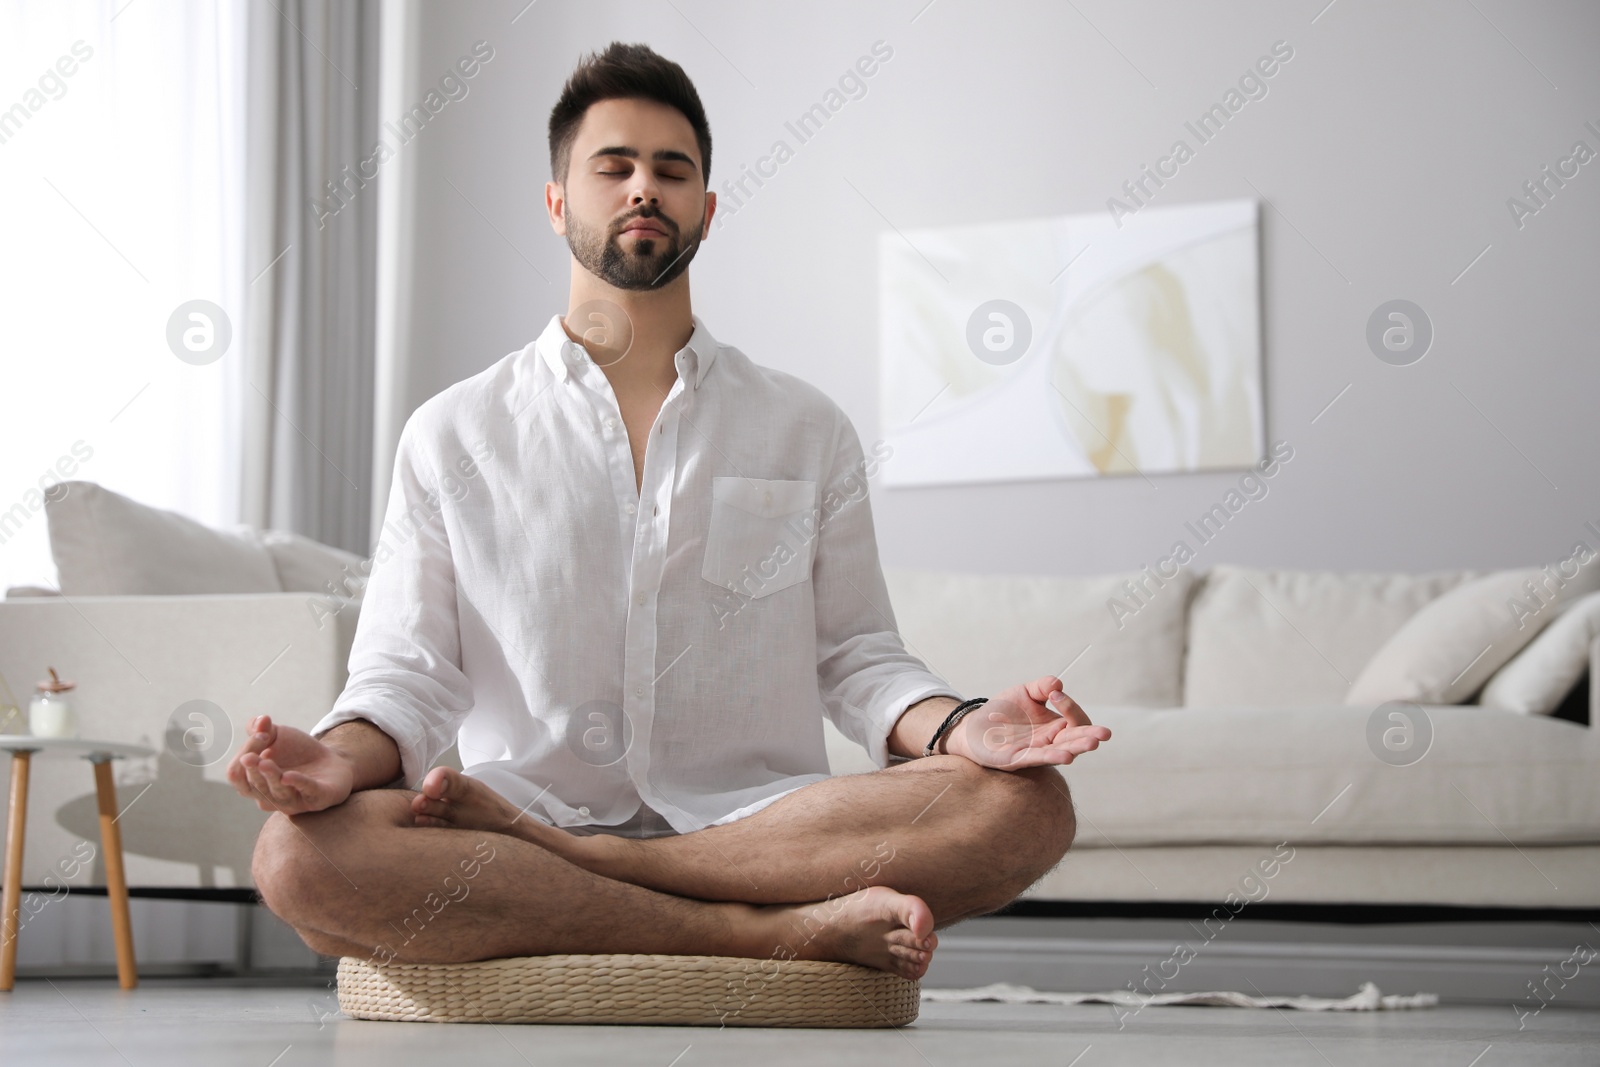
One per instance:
[(16, 827), (116, 881)]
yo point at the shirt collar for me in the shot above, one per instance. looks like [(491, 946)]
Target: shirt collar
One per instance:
[(561, 354)]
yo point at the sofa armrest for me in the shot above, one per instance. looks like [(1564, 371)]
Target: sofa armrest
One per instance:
[(138, 663)]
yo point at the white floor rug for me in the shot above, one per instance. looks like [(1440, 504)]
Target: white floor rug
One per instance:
[(1369, 998)]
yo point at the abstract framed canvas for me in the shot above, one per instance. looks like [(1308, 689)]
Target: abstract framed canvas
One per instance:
[(1073, 346)]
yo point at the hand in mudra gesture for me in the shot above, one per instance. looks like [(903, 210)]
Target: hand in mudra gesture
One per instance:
[(1030, 725), (285, 769)]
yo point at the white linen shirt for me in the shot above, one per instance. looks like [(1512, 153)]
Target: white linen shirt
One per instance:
[(589, 645)]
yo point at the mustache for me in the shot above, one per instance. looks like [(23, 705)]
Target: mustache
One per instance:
[(654, 214)]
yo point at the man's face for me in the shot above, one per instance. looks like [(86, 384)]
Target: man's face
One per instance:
[(634, 206)]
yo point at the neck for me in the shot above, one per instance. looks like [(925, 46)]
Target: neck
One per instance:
[(661, 321)]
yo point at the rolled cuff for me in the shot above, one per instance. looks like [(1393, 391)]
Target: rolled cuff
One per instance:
[(896, 707), (419, 749)]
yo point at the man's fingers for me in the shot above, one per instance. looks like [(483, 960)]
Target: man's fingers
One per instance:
[(1040, 688), (298, 781), (274, 774), (277, 796), (262, 735), (238, 772), (1077, 745), (1075, 737), (1068, 708), (1038, 757), (266, 784), (300, 792), (1066, 728), (258, 784)]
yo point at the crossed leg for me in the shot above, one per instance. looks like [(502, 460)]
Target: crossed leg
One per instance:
[(965, 839), (859, 869)]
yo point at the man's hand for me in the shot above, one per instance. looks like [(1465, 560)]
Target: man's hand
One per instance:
[(285, 769), (1017, 728)]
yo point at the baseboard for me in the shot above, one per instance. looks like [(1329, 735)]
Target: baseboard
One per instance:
[(1519, 964), (1276, 911), (1550, 969)]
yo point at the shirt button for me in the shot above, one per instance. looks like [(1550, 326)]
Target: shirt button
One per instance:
[(584, 812), (630, 509), (611, 424), (638, 690), (641, 599)]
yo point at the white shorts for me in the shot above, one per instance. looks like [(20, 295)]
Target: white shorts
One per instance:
[(647, 822)]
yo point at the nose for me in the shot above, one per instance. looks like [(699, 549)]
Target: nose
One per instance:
[(646, 191)]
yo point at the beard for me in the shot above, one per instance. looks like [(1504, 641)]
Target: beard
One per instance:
[(652, 264)]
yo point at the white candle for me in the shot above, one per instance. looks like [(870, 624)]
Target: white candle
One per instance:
[(50, 715)]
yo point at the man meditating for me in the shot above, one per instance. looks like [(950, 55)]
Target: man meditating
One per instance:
[(627, 570)]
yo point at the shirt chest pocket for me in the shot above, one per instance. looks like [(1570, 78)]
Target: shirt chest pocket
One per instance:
[(762, 534)]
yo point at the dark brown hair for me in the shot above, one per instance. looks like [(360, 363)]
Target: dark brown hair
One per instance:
[(624, 71)]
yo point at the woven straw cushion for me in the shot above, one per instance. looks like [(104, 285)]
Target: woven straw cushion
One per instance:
[(649, 990)]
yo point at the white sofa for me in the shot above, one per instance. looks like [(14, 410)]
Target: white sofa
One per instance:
[(1226, 696), (138, 662), (1232, 742)]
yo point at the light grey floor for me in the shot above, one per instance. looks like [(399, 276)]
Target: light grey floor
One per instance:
[(223, 1022)]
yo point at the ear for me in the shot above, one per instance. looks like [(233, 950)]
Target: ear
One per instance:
[(711, 209), (555, 205)]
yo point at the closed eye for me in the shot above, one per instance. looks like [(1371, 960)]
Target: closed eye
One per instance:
[(624, 175)]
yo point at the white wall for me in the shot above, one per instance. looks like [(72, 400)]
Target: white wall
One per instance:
[(1387, 149)]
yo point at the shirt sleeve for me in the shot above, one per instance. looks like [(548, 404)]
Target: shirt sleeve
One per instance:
[(405, 660), (865, 676)]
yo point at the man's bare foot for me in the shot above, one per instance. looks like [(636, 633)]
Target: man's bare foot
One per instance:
[(452, 799), (876, 927)]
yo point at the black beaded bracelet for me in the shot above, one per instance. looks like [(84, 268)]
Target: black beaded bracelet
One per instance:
[(956, 715)]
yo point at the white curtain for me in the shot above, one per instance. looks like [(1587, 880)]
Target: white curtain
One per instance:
[(314, 172), (397, 213), (122, 168)]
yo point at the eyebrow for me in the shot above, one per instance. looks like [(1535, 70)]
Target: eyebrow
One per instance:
[(663, 155)]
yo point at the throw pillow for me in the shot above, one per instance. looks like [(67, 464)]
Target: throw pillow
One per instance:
[(1273, 638), (1535, 682), (1447, 650), (105, 544), (305, 565)]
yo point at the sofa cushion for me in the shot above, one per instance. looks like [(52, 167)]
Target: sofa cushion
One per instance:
[(304, 565), (1281, 638), (1191, 776), (1447, 650), (1537, 679), (984, 633), (105, 544)]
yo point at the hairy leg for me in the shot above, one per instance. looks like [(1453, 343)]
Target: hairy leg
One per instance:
[(963, 838), (361, 879)]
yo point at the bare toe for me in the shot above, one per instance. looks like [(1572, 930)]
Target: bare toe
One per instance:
[(442, 783), (876, 927), (423, 806)]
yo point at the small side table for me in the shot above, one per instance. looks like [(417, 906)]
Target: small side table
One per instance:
[(99, 753)]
